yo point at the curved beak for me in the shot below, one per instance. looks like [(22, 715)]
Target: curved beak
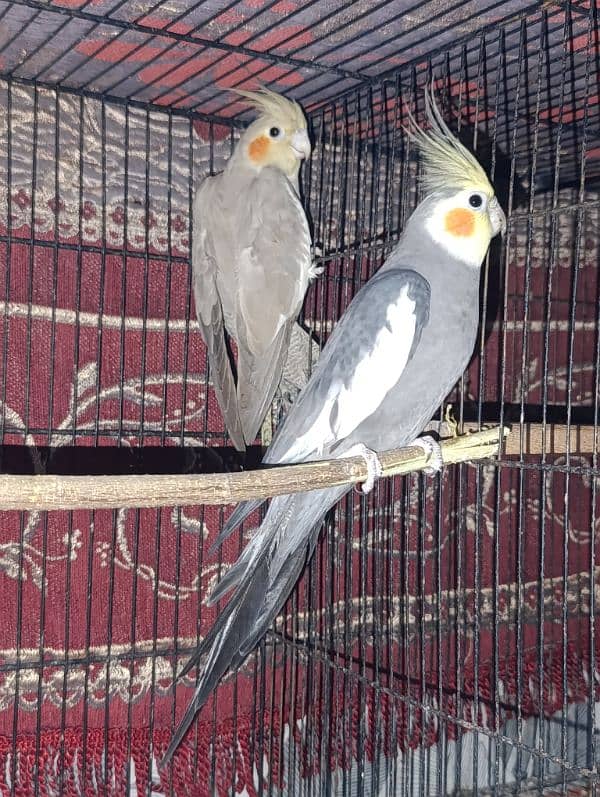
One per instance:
[(300, 144), (497, 217)]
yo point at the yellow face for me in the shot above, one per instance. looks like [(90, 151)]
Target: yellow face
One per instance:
[(465, 223), (275, 142)]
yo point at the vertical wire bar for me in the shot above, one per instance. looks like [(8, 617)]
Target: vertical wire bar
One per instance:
[(76, 344), (494, 701), (422, 715), (363, 694), (158, 513), (186, 364), (97, 431), (123, 309), (570, 368), (376, 254), (338, 168), (270, 724), (553, 256), (291, 656), (88, 633), (592, 756), (520, 71), (568, 32), (347, 680), (321, 194), (354, 184), (339, 133), (502, 371), (392, 600), (26, 423), (441, 772), (49, 430), (310, 609), (9, 252), (478, 468), (166, 361), (327, 599), (460, 604), (323, 680), (44, 524)]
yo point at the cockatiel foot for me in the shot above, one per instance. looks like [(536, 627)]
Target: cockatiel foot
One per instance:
[(315, 271), (434, 453), (266, 431), (451, 421), (372, 462)]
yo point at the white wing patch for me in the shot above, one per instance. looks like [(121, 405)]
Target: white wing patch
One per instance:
[(372, 380), (377, 373)]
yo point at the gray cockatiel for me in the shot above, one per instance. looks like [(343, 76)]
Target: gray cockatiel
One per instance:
[(398, 350), (251, 260)]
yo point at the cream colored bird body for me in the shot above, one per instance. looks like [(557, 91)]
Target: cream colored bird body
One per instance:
[(252, 262)]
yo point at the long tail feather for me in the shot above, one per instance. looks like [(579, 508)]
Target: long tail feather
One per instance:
[(265, 574), (222, 380), (258, 378), (224, 653), (239, 514)]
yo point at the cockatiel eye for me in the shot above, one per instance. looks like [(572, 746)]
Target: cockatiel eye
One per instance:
[(276, 132), (477, 200)]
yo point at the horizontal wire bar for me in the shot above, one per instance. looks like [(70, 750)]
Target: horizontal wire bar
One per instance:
[(94, 492), (86, 318), (94, 249), (151, 30), (114, 99)]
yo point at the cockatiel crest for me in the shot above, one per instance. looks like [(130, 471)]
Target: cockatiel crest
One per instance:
[(279, 136), (252, 261), (468, 215)]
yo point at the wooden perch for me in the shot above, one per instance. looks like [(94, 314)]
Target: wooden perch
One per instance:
[(115, 492)]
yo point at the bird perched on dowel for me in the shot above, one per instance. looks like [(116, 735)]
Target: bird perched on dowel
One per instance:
[(397, 351), (251, 260)]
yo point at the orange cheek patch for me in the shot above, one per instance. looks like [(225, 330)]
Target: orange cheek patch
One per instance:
[(460, 222), (258, 148)]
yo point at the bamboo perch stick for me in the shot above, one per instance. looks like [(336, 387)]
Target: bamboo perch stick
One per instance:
[(116, 492), (530, 439)]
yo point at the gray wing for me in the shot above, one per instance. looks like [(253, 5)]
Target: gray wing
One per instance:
[(274, 265), (209, 310), (363, 359)]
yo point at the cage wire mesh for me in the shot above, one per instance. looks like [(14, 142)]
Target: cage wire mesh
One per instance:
[(443, 638)]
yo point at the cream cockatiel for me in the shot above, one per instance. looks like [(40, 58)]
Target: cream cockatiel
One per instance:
[(251, 260)]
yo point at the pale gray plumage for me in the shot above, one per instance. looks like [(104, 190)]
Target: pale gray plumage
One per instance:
[(399, 348), (251, 259)]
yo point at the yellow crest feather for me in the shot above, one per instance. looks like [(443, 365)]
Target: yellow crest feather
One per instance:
[(269, 103), (447, 163)]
